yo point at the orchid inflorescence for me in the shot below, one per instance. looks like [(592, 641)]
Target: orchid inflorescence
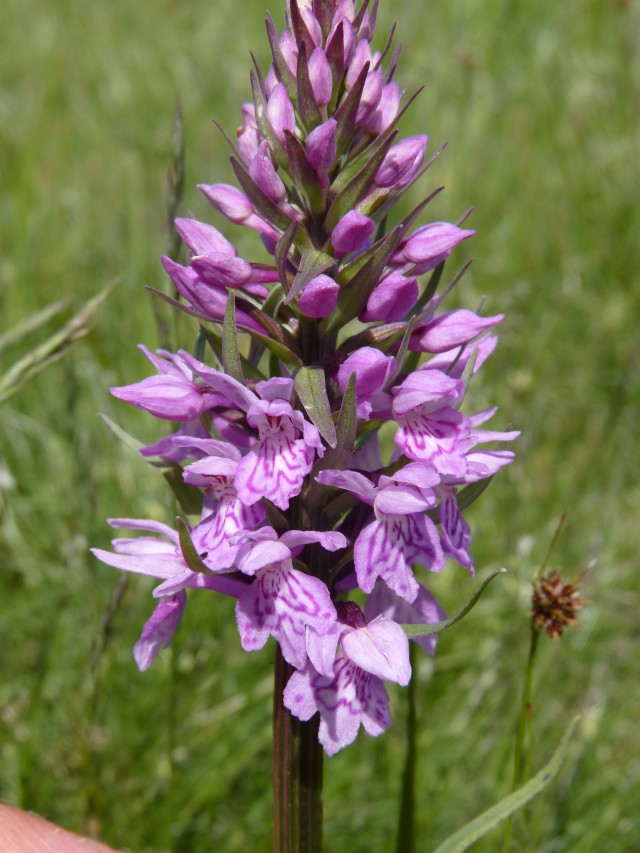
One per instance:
[(298, 503)]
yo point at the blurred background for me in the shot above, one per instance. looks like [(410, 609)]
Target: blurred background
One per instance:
[(539, 104)]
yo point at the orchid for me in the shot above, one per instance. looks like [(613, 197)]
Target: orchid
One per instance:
[(300, 360)]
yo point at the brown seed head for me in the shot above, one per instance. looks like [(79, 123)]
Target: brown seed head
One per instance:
[(555, 603)]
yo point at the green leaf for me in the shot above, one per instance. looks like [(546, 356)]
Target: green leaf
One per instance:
[(303, 174), (471, 493), (334, 51), (189, 497), (312, 263), (430, 289), (436, 627), (189, 552), (345, 116), (381, 337), (402, 353), (283, 247), (300, 31), (346, 427), (311, 388), (230, 353), (324, 14), (480, 826), (127, 439), (280, 350), (307, 106)]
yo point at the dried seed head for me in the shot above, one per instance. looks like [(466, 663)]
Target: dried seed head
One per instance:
[(556, 604)]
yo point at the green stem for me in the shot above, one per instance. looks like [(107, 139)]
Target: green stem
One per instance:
[(297, 775), (406, 821), (524, 740)]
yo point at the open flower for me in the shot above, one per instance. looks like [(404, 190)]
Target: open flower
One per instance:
[(348, 692)]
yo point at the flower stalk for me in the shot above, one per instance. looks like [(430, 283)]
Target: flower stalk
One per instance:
[(297, 774)]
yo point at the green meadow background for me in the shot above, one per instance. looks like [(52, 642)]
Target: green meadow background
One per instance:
[(539, 104)]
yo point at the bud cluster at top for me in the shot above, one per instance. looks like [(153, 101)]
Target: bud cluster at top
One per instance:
[(295, 508)]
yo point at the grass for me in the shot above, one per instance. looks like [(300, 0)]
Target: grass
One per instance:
[(538, 103)]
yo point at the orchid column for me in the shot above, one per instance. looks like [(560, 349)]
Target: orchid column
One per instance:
[(322, 535)]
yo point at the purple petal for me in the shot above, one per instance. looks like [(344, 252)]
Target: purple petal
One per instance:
[(159, 630), (455, 531), (454, 363), (381, 648), (373, 369), (379, 552), (401, 500), (165, 396), (352, 481), (283, 602), (426, 387), (322, 650), (274, 470), (155, 564), (256, 555), (440, 438), (226, 385), (386, 110), (331, 540), (276, 388)]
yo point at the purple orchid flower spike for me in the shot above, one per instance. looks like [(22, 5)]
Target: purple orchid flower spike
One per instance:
[(334, 341)]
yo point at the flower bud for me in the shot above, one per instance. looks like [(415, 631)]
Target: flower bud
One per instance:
[(321, 146), (320, 297), (264, 174), (351, 233), (280, 111), (401, 163), (320, 76), (391, 299)]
